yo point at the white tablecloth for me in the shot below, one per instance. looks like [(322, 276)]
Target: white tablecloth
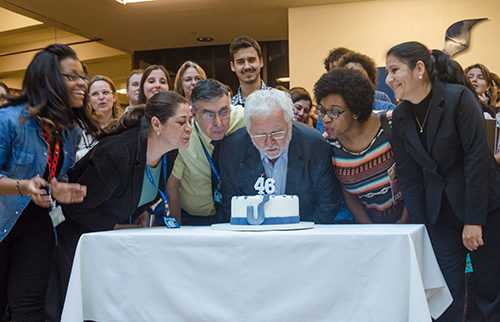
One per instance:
[(350, 273)]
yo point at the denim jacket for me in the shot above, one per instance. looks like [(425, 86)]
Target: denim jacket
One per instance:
[(23, 155)]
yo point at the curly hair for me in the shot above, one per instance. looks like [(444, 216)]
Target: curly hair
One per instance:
[(355, 89), (334, 55), (366, 62)]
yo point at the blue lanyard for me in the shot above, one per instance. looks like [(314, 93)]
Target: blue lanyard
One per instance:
[(150, 177), (207, 155)]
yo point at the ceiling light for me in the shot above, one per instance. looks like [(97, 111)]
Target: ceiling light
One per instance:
[(204, 39), (283, 80), (122, 91), (124, 2)]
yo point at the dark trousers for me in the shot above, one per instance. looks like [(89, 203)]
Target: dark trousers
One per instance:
[(451, 254), (25, 259), (190, 220), (68, 234)]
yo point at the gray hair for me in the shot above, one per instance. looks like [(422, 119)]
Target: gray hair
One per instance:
[(262, 103), (207, 90)]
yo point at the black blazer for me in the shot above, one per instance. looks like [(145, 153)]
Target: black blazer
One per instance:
[(113, 172), (457, 161), (310, 172)]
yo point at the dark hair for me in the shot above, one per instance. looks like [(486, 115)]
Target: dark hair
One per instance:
[(45, 90), (300, 93), (207, 90), (244, 42), (366, 62), (142, 96), (115, 110), (355, 89), (484, 70), (132, 73), (163, 105), (437, 64), (334, 55), (5, 87)]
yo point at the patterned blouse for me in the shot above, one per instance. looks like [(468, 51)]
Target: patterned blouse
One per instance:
[(370, 175)]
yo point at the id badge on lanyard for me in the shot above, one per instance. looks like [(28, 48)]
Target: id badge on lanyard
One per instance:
[(170, 221)]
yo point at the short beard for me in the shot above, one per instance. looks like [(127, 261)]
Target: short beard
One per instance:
[(282, 150)]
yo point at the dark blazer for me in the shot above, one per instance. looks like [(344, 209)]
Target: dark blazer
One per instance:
[(113, 172), (457, 161), (310, 172)]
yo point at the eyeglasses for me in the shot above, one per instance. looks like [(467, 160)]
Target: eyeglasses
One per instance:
[(274, 136), (190, 79), (73, 77), (211, 116), (333, 114)]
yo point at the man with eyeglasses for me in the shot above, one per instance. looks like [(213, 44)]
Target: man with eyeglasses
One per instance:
[(273, 146), (194, 187)]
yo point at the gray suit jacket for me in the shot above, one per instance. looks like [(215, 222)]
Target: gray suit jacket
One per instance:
[(310, 173)]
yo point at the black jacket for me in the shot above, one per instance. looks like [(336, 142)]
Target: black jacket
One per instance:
[(457, 161), (113, 172)]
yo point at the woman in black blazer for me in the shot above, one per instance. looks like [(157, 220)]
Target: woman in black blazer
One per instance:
[(447, 174), (115, 171)]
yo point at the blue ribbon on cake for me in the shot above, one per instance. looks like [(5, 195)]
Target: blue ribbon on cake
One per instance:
[(268, 221)]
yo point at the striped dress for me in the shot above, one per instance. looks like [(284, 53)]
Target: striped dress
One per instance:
[(368, 176)]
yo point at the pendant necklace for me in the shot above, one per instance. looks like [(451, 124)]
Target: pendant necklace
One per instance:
[(421, 126)]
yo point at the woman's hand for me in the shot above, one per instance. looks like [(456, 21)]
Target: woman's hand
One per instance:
[(34, 188), (142, 220), (472, 237), (483, 99), (66, 193)]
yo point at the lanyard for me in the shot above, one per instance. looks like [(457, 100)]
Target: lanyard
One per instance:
[(150, 177), (207, 155), (53, 157)]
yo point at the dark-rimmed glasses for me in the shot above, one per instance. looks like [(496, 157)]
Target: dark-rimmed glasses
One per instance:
[(73, 77), (333, 114)]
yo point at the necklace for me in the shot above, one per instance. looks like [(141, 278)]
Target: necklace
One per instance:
[(421, 126)]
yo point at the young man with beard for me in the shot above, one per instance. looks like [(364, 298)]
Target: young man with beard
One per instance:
[(273, 146), (246, 62)]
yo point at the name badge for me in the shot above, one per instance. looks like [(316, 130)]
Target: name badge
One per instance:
[(57, 215)]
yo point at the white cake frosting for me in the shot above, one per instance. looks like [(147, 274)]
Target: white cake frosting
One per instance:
[(281, 209)]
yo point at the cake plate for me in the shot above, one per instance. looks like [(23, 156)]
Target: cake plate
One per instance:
[(299, 226)]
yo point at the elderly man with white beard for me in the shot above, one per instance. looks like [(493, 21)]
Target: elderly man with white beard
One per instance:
[(272, 146)]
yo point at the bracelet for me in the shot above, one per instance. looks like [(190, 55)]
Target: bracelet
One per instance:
[(17, 188)]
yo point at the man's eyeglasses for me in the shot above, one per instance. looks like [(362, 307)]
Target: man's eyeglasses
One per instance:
[(190, 79), (73, 77), (274, 136), (333, 114), (211, 116)]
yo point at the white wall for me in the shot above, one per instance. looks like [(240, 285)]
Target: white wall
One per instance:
[(374, 27)]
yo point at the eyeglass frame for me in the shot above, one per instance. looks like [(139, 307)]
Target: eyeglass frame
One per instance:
[(336, 114), (263, 137), (74, 77), (210, 116)]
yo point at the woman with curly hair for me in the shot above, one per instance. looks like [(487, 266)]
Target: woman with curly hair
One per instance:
[(363, 159)]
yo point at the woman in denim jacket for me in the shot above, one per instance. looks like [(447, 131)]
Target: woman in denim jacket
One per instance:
[(38, 138)]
